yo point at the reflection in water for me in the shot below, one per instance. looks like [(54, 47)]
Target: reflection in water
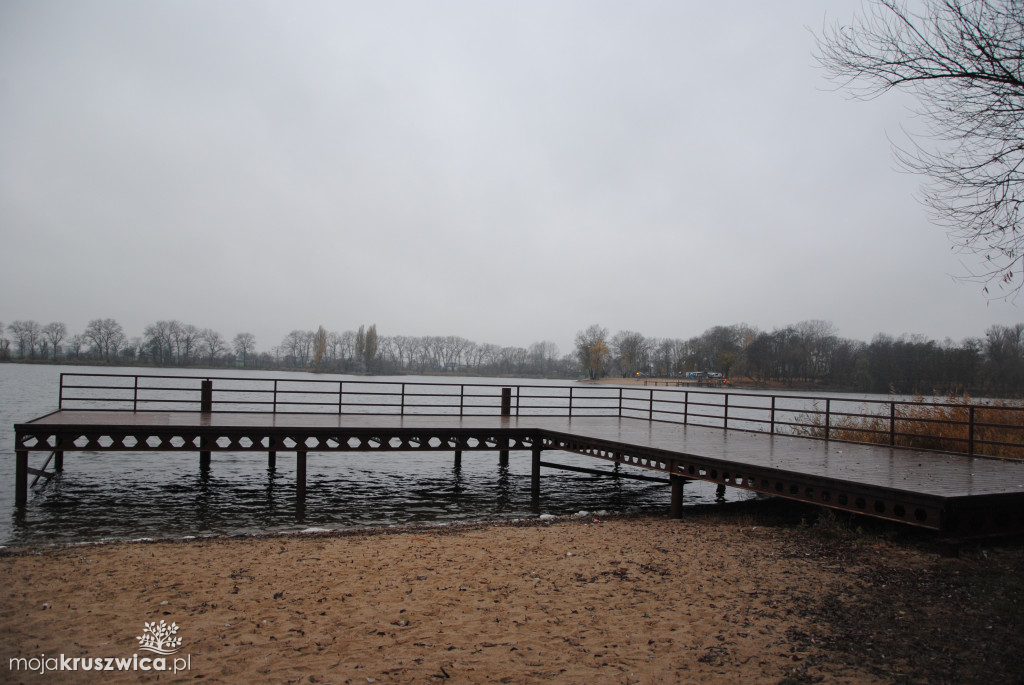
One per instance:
[(128, 496)]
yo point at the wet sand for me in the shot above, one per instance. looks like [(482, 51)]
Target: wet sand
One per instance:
[(734, 594)]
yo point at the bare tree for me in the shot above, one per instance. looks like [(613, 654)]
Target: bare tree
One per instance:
[(157, 337), (186, 340), (55, 333), (243, 344), (213, 344), (27, 334), (333, 346), (74, 346), (299, 346), (592, 350), (106, 337), (347, 345), (963, 60), (632, 350)]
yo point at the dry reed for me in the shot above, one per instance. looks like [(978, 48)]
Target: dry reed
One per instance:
[(998, 426)]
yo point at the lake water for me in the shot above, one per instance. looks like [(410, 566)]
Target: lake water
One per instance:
[(126, 495)]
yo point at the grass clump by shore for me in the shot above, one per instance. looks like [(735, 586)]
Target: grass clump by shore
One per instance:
[(954, 424)]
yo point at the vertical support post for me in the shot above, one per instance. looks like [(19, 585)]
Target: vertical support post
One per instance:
[(206, 396), (274, 406), (60, 393), (458, 459), (686, 407), (892, 423), (21, 478), (205, 406), (135, 396), (535, 473), (725, 412), (828, 417), (677, 495), (772, 431), (300, 477), (58, 456), (272, 460), (570, 402), (650, 405), (620, 403), (970, 430), (503, 455), (462, 403), (341, 396), (402, 411)]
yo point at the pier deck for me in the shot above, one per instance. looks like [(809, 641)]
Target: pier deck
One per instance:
[(958, 495)]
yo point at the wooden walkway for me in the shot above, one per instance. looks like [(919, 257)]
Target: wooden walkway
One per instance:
[(958, 495)]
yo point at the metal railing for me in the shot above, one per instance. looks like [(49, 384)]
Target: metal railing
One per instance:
[(992, 429)]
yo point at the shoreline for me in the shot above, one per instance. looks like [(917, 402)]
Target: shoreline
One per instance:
[(757, 592)]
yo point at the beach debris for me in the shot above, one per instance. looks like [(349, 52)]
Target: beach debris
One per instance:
[(547, 517)]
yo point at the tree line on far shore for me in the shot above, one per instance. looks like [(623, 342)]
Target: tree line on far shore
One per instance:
[(812, 354), (806, 354)]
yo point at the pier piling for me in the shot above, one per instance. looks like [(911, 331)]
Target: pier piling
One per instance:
[(677, 495), (300, 477), (205, 406)]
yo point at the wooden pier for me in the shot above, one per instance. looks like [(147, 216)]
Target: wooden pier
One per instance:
[(659, 431)]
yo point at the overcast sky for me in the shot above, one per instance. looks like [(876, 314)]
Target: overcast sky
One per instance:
[(504, 171)]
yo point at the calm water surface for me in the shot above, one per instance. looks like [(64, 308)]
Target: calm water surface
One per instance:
[(125, 495)]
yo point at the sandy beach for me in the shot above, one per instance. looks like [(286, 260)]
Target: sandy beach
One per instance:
[(755, 592)]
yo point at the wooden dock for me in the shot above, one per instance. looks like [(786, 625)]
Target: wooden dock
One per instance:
[(956, 494)]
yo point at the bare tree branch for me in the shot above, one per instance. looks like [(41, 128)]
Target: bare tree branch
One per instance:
[(963, 61)]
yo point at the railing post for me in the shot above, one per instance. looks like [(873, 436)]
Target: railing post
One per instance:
[(686, 407), (506, 401), (462, 400), (402, 410), (135, 396), (60, 393), (620, 403), (772, 429), (650, 405), (828, 417), (570, 402), (892, 423), (970, 430), (206, 396), (725, 414), (274, 406)]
